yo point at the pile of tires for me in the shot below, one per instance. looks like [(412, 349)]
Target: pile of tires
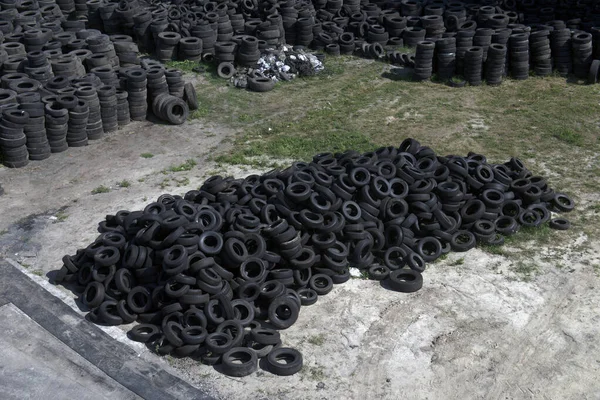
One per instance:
[(217, 273)]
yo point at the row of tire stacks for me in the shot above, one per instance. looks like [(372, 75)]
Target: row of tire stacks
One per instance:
[(217, 273), (77, 91), (189, 31)]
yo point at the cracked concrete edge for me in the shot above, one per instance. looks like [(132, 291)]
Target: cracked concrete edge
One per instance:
[(121, 363)]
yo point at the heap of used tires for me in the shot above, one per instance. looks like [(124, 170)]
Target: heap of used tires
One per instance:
[(215, 274), (63, 84)]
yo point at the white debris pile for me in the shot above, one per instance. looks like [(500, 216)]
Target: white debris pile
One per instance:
[(282, 64)]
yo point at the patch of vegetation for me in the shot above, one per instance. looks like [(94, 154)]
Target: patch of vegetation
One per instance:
[(100, 189), (182, 182), (315, 373), (185, 66), (525, 270), (61, 216), (38, 272), (186, 166), (165, 183), (141, 180), (146, 155), (568, 136), (317, 340), (124, 183), (3, 232), (458, 262)]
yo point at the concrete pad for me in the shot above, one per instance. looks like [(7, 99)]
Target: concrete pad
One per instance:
[(35, 364), (113, 367)]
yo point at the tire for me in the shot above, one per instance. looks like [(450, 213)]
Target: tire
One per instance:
[(261, 84), (239, 361), (405, 280), (190, 97), (293, 361)]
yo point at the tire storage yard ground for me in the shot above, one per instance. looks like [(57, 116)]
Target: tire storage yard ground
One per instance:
[(517, 319)]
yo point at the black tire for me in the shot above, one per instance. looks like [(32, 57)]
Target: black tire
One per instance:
[(405, 280), (239, 361), (291, 357), (259, 84)]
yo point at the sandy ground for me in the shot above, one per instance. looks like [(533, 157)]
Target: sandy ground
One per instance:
[(476, 330)]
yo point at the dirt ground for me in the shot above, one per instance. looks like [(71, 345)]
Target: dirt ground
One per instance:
[(476, 330)]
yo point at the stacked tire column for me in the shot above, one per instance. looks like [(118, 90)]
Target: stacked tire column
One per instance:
[(137, 93), (108, 107), (13, 140), (94, 128)]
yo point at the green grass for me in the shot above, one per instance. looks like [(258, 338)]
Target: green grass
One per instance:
[(100, 189), (458, 262), (124, 183), (146, 155), (185, 66), (38, 272), (61, 216), (316, 340), (186, 166)]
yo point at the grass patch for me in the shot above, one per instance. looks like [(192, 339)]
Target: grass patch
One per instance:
[(186, 166), (146, 155), (458, 262), (61, 216), (124, 183), (317, 340), (185, 66), (568, 136), (315, 373), (38, 272), (525, 270), (100, 189)]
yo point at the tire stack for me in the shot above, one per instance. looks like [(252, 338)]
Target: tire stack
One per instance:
[(495, 64), (66, 65), (137, 94), (77, 119), (79, 116), (89, 95), (101, 44), (445, 58), (413, 35), (57, 124), (464, 41), (175, 81), (225, 51), (541, 56), (38, 67), (126, 50), (473, 65), (304, 30), (434, 26), (501, 36), (247, 54), (190, 48), (107, 75), (35, 127), (123, 117), (157, 81), (108, 107), (346, 43), (141, 29), (224, 29), (166, 46), (582, 54), (560, 44), (519, 56), (204, 31), (424, 60), (12, 138), (483, 39)]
